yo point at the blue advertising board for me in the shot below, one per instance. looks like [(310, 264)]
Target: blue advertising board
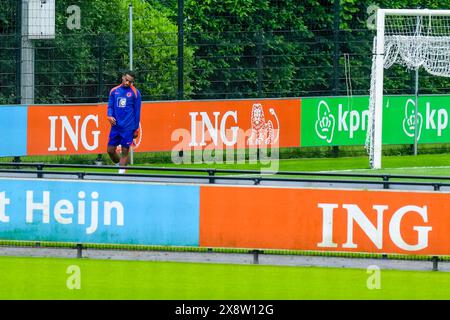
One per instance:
[(99, 212), (13, 130)]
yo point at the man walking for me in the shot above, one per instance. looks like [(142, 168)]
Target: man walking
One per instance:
[(124, 112)]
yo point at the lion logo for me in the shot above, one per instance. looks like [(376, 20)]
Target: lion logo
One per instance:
[(263, 132)]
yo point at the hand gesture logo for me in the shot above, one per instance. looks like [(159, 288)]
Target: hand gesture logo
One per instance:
[(410, 120), (325, 122)]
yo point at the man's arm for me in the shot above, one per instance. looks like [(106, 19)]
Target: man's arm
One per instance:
[(111, 117), (137, 112)]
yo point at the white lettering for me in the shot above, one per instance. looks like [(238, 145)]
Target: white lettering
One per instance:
[(233, 129), (74, 280), (212, 130), (354, 122), (192, 310), (63, 207), (365, 119), (107, 212), (375, 234), (342, 119), (81, 207), (52, 133), (193, 142), (3, 202), (442, 121), (206, 126), (73, 132), (394, 228), (94, 214), (64, 210), (327, 225), (95, 134), (44, 206), (73, 135), (74, 20), (374, 231), (374, 281), (430, 118)]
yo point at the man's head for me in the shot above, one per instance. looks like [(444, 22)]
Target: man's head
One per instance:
[(128, 78)]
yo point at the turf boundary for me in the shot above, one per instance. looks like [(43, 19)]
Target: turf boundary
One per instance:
[(254, 251)]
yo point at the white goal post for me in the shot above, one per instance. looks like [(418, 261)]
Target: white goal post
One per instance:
[(413, 38)]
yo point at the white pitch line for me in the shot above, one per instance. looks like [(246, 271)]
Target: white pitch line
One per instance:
[(402, 168)]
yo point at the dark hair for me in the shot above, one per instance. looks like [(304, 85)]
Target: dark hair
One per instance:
[(130, 73)]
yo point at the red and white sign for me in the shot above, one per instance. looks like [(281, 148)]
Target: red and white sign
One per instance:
[(168, 126), (405, 222)]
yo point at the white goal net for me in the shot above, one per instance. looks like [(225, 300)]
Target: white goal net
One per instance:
[(412, 38)]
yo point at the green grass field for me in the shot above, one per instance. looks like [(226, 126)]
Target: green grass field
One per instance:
[(420, 164), (47, 278), (335, 164)]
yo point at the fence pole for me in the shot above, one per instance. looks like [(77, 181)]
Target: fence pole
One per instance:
[(26, 59), (18, 41), (336, 22), (131, 62), (260, 62), (180, 61), (131, 34)]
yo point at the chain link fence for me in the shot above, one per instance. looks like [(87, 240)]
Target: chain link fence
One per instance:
[(223, 55)]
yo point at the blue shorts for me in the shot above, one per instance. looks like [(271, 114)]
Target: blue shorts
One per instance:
[(122, 137)]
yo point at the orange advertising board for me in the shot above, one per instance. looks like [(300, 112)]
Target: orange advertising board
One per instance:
[(404, 222), (168, 126), (186, 125), (67, 129)]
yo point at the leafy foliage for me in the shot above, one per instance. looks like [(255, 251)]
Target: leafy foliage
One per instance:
[(232, 49), (8, 51)]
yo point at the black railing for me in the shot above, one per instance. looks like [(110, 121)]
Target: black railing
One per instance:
[(214, 175)]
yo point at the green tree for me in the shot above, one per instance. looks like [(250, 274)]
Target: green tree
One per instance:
[(81, 65), (156, 52), (252, 48), (9, 39), (233, 49)]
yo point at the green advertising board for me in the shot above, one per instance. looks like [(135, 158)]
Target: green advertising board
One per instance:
[(342, 121)]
